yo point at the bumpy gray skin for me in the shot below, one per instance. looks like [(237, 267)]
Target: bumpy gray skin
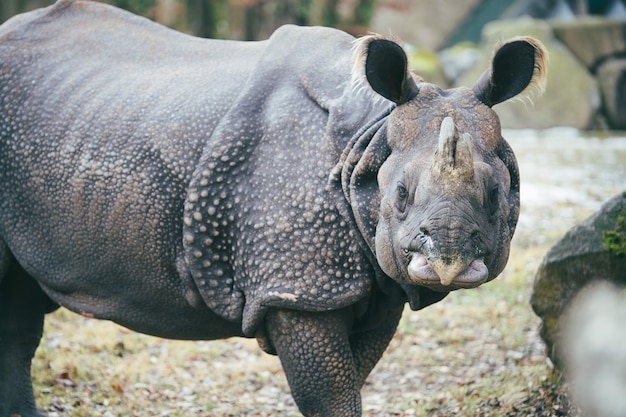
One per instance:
[(202, 189)]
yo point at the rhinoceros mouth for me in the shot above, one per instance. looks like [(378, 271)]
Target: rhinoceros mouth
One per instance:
[(444, 276)]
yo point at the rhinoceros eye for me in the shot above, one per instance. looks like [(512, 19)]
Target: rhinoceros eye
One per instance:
[(402, 196)]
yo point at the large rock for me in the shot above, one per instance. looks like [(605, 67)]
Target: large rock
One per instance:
[(423, 23), (612, 80), (427, 65), (580, 257), (458, 59), (571, 98), (592, 349), (592, 39)]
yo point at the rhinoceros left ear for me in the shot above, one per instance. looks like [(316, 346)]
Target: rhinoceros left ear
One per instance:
[(516, 65), (386, 70)]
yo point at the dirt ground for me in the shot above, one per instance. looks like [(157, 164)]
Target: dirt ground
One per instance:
[(477, 353)]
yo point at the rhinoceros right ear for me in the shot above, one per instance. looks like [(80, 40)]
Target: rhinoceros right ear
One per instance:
[(516, 65), (386, 70)]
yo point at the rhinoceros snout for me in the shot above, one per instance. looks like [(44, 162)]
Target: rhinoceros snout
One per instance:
[(450, 274), (447, 257)]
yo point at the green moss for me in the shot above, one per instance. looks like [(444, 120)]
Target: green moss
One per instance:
[(615, 240)]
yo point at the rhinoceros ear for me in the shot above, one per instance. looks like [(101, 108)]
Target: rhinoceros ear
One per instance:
[(516, 65), (386, 70)]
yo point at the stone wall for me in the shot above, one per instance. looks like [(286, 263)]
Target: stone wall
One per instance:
[(426, 23), (587, 68), (572, 96), (586, 73), (586, 86)]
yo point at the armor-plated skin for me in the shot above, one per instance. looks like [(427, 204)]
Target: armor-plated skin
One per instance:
[(299, 190)]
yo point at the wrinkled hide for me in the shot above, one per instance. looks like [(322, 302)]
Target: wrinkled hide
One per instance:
[(299, 190)]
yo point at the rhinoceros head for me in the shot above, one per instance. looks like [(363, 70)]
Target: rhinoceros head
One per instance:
[(448, 184)]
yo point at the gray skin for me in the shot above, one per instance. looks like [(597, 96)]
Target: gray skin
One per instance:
[(299, 190)]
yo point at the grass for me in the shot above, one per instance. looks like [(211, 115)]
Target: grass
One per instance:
[(91, 368), (475, 347), (475, 353)]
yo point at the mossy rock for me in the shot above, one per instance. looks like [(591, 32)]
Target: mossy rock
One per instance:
[(580, 257), (615, 240)]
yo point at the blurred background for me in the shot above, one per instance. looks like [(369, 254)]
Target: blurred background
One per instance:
[(427, 23), (234, 19), (449, 42)]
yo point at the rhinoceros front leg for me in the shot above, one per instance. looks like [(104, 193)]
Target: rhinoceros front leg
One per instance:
[(22, 309), (368, 346), (314, 349)]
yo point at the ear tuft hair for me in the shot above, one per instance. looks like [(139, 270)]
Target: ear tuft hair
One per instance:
[(382, 64), (518, 67)]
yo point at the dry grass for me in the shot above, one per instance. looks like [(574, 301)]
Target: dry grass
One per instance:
[(476, 350)]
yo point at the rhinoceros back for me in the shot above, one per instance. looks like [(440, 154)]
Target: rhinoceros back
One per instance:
[(138, 164), (103, 116)]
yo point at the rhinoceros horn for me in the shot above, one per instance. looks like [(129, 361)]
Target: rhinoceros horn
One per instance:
[(454, 162)]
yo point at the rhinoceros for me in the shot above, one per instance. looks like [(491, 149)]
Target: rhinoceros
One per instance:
[(300, 190)]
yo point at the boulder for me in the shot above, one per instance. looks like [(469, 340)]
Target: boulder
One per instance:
[(572, 96), (423, 23), (593, 250), (612, 81), (458, 59), (592, 349), (427, 65), (592, 39)]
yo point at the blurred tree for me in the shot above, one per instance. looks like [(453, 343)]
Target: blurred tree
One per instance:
[(207, 18), (140, 7), (257, 19), (9, 8), (233, 19)]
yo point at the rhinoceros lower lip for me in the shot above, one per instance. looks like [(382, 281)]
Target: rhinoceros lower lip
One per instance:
[(421, 272)]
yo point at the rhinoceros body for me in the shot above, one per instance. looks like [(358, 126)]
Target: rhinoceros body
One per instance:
[(299, 190)]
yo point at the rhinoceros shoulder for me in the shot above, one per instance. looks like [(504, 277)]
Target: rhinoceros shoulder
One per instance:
[(261, 229)]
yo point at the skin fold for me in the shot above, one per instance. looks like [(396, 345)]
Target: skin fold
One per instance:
[(300, 190)]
